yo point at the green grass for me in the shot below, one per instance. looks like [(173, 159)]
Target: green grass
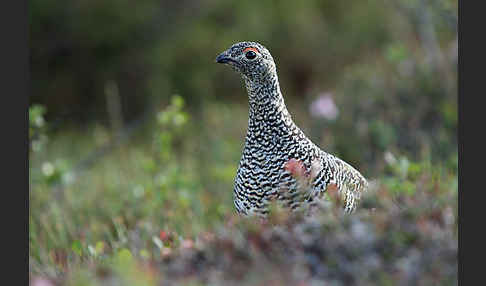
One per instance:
[(158, 209)]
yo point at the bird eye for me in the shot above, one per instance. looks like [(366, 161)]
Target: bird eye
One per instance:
[(250, 55)]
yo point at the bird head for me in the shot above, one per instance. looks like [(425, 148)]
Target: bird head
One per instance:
[(251, 59)]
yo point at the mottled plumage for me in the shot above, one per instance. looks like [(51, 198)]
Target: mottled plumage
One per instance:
[(273, 139)]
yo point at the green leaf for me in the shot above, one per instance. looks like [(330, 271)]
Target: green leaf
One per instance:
[(77, 247), (124, 256)]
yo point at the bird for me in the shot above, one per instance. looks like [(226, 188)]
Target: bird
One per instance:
[(276, 153)]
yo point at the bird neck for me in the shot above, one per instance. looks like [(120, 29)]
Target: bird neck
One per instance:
[(266, 102)]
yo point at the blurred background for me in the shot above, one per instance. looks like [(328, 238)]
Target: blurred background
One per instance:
[(134, 128)]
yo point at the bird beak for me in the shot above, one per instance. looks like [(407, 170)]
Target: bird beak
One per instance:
[(224, 58)]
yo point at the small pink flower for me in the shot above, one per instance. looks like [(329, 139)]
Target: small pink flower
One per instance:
[(296, 168), (324, 107), (187, 244), (40, 281)]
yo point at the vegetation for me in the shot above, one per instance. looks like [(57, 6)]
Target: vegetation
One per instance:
[(135, 140)]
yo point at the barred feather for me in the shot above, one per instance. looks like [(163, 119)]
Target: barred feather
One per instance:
[(273, 139)]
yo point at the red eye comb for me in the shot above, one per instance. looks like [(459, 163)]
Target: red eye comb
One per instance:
[(251, 49)]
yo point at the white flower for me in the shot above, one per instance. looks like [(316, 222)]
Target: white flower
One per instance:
[(47, 169), (389, 158), (138, 191)]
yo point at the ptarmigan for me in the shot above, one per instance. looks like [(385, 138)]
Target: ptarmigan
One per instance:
[(276, 150)]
